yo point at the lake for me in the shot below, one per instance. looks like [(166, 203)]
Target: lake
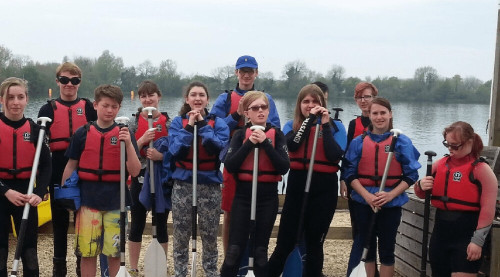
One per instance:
[(422, 122)]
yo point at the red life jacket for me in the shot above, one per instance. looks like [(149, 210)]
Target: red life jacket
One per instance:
[(142, 126), (299, 160), (100, 159), (206, 161), (359, 129), (456, 188), (372, 163), (267, 173), (66, 121), (234, 99), (18, 151)]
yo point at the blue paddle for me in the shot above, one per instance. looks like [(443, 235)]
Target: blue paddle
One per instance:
[(293, 265)]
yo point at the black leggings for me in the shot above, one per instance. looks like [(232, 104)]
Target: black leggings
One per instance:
[(319, 212), (29, 255), (239, 231), (138, 215)]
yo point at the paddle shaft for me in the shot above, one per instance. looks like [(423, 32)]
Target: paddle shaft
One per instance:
[(123, 213), (26, 211), (382, 187), (194, 210), (253, 207), (151, 164), (427, 210), (308, 182)]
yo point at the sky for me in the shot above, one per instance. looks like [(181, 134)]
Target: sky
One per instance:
[(376, 38)]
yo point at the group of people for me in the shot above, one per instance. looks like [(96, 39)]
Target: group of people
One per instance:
[(84, 138)]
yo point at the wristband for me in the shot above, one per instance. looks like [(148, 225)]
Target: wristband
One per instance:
[(419, 186)]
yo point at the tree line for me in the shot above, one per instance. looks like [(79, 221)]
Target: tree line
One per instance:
[(426, 84)]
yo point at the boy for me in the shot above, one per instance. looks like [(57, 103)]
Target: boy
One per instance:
[(68, 113), (95, 151)]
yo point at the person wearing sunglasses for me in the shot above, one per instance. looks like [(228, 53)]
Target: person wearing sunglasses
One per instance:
[(322, 199), (228, 106), (464, 191), (364, 93), (68, 112), (273, 162), (364, 164)]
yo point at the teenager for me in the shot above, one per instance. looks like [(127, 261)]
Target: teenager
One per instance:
[(94, 151), (150, 96), (213, 135), (68, 113), (228, 107), (18, 143), (464, 191), (273, 162), (322, 199), (365, 163)]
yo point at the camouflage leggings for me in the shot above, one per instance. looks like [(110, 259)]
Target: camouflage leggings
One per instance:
[(208, 206)]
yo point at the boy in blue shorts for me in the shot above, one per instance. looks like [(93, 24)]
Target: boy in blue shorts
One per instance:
[(95, 152)]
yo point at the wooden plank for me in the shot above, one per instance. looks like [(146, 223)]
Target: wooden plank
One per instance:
[(405, 269), (411, 259), (495, 249)]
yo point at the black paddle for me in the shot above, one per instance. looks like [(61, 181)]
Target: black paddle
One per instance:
[(427, 210)]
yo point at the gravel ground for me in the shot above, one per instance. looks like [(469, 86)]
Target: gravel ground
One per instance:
[(335, 264)]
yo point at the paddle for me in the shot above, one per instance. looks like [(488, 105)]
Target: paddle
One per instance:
[(155, 260), (253, 205), (122, 272), (359, 270), (26, 211), (427, 210), (194, 210), (293, 265)]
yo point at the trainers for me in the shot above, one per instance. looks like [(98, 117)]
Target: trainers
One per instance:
[(133, 272)]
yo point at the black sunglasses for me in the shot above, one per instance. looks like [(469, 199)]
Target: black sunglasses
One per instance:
[(257, 108), (452, 146), (65, 80)]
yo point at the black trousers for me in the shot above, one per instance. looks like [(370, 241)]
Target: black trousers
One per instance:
[(29, 255), (239, 231), (321, 205)]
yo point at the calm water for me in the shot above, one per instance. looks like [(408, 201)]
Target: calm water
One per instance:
[(422, 122)]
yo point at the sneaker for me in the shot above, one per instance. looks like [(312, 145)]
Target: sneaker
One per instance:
[(133, 272)]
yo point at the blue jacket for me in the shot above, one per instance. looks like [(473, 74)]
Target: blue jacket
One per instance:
[(221, 109), (213, 139), (404, 151), (163, 173)]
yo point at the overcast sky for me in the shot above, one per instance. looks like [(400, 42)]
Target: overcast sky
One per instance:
[(367, 37)]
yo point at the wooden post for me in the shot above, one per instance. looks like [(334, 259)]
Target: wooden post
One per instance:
[(495, 249), (494, 124)]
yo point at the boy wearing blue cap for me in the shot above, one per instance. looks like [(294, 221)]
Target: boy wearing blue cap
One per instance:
[(228, 107)]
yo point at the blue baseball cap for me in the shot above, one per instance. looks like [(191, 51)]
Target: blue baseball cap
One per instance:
[(246, 61)]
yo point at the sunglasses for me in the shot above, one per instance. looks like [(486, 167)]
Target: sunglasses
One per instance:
[(257, 108), (65, 80), (452, 146)]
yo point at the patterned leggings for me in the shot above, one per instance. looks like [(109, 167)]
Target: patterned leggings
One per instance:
[(208, 207)]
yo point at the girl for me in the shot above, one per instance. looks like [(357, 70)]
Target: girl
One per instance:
[(213, 135), (464, 191), (363, 175), (19, 136), (273, 162), (149, 95), (310, 107)]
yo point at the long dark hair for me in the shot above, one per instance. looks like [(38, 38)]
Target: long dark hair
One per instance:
[(185, 107), (464, 132)]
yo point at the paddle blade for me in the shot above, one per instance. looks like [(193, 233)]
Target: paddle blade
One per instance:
[(293, 265), (155, 261), (359, 271), (122, 272), (250, 274)]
